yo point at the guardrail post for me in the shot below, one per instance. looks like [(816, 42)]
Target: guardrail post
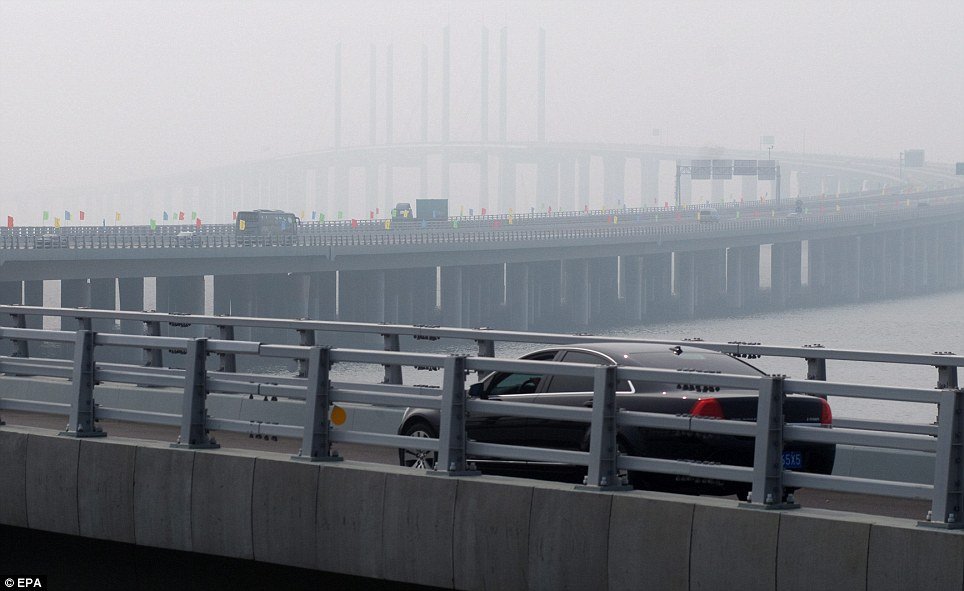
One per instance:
[(451, 453), (603, 448), (20, 348), (393, 373), (948, 502), (768, 489), (228, 361), (486, 349), (194, 433), (153, 357), (81, 420), (306, 338), (316, 442)]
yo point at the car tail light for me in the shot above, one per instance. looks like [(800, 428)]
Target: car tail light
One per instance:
[(707, 407), (826, 416)]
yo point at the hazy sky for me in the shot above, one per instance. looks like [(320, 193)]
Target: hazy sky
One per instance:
[(95, 92)]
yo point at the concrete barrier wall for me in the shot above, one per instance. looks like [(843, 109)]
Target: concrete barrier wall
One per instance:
[(466, 533)]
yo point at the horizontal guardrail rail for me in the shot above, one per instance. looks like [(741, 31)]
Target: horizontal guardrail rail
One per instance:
[(814, 355), (318, 396)]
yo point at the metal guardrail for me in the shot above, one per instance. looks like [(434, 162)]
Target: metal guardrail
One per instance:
[(313, 388)]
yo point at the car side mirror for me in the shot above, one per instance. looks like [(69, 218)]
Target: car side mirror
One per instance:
[(477, 390)]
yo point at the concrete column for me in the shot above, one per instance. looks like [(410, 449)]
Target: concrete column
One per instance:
[(33, 295), (103, 296), (517, 298), (74, 293), (817, 272), (491, 289), (614, 181), (398, 296), (180, 294), (575, 289), (546, 280), (184, 295), (131, 298), (423, 296), (11, 292), (603, 294), (684, 275), (659, 283), (567, 185), (361, 296), (779, 275), (749, 189), (710, 276), (451, 296), (632, 283), (649, 182), (322, 295), (735, 286)]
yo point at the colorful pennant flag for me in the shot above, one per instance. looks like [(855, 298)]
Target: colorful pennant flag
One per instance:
[(314, 214), (241, 225), (46, 215), (82, 215), (116, 216), (66, 216), (56, 222), (197, 223), (164, 217), (9, 221), (153, 224), (321, 217), (388, 224), (180, 216), (354, 223), (193, 215)]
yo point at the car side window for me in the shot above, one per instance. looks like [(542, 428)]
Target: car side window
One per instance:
[(581, 383), (514, 383)]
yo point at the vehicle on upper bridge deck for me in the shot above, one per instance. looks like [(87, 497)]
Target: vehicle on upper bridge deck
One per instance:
[(665, 398), (271, 225), (708, 214)]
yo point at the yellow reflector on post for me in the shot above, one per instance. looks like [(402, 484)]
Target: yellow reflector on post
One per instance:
[(338, 415)]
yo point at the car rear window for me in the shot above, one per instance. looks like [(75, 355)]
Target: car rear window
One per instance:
[(696, 360)]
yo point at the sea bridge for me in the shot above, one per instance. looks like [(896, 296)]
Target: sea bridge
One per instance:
[(571, 270)]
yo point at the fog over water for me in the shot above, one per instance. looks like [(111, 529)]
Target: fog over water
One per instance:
[(102, 91)]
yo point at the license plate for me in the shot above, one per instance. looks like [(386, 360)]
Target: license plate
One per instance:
[(792, 460)]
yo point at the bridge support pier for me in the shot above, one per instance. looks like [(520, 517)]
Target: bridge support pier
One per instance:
[(575, 279), (743, 277), (424, 291), (103, 296), (321, 295), (710, 273), (181, 295), (33, 295), (132, 299), (685, 277), (74, 293), (451, 293), (603, 290), (361, 296), (545, 279), (517, 295), (785, 260), (649, 181), (614, 181)]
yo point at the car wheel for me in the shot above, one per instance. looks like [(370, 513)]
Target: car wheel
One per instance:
[(422, 459)]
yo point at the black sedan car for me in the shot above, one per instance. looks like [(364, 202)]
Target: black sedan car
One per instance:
[(669, 398)]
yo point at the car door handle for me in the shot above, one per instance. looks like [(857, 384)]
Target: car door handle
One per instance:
[(587, 404)]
